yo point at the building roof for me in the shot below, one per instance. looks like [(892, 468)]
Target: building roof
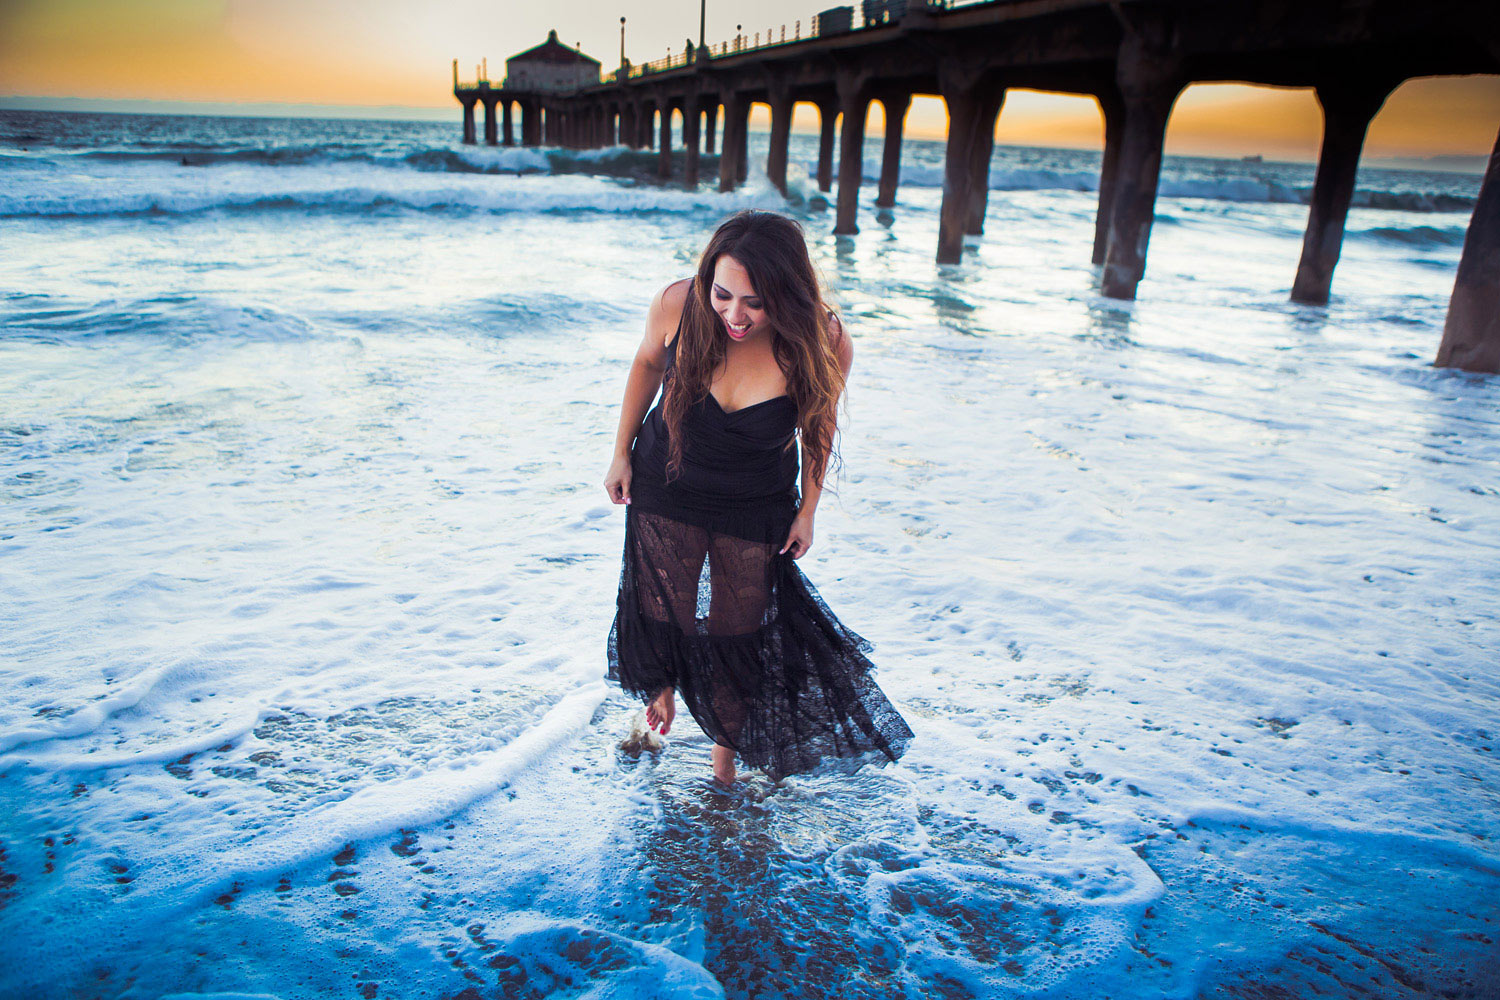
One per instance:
[(552, 51)]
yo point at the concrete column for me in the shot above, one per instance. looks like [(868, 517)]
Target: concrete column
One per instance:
[(468, 103), (1112, 107), (991, 101), (690, 142), (711, 122), (664, 145), (965, 102), (729, 171), (648, 131), (826, 111), (1471, 335), (490, 125), (741, 122), (1150, 80), (507, 126), (1348, 106), (890, 158), (854, 105), (781, 130)]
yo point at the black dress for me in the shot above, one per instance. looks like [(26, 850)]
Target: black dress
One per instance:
[(709, 605)]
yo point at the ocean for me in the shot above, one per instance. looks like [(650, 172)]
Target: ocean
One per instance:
[(306, 570)]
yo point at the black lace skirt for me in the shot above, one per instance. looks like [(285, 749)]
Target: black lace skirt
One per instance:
[(709, 606)]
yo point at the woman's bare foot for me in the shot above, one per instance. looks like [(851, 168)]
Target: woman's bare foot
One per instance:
[(723, 765), (661, 711)]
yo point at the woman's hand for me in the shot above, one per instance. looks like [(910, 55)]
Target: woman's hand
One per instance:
[(617, 480), (799, 539)]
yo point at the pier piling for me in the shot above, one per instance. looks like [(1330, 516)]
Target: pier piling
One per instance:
[(781, 129), (1471, 334), (963, 94), (1112, 108), (1150, 78), (895, 107), (690, 142), (854, 105), (468, 104), (664, 141), (491, 136), (741, 124), (827, 110), (1348, 107), (991, 101), (735, 107)]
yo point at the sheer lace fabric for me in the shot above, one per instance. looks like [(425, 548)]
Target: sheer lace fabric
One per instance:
[(759, 660)]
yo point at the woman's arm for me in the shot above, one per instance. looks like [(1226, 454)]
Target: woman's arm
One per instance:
[(643, 382), (800, 538)]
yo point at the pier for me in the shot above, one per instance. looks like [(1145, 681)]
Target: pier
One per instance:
[(1134, 57)]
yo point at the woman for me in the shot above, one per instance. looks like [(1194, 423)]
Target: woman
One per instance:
[(750, 362)]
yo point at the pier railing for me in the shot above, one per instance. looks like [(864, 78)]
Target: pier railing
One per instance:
[(869, 14), (830, 23)]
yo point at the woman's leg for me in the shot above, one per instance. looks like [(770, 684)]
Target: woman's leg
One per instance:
[(739, 600), (669, 561)]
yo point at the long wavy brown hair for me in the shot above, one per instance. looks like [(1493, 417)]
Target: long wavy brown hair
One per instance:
[(773, 251)]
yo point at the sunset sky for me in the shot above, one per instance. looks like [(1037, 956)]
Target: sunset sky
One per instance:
[(394, 57)]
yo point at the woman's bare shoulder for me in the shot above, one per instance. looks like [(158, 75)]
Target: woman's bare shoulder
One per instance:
[(843, 347), (667, 306)]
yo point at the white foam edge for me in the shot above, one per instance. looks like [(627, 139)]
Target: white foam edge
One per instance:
[(665, 973), (377, 810), (1200, 811), (90, 717)]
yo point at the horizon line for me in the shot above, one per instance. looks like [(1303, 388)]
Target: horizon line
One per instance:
[(1460, 162)]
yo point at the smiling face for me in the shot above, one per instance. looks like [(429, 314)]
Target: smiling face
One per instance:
[(741, 310)]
